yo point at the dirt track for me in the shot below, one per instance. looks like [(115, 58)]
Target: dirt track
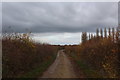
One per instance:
[(61, 68)]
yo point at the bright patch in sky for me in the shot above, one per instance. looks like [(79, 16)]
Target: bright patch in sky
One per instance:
[(57, 38)]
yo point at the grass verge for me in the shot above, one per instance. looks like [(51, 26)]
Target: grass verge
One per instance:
[(37, 72), (87, 71)]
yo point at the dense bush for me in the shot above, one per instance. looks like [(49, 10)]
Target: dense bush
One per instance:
[(21, 54), (101, 56), (99, 53)]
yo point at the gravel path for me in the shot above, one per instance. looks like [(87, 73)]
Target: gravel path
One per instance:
[(61, 68)]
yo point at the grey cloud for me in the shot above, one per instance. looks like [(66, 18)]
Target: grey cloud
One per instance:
[(58, 17)]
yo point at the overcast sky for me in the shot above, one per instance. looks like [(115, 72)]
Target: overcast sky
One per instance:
[(58, 19)]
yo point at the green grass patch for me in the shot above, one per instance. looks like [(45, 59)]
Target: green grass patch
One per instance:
[(89, 72), (37, 72)]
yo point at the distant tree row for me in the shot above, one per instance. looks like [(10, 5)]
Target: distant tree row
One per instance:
[(112, 33)]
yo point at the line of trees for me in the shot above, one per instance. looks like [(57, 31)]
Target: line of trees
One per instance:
[(111, 33)]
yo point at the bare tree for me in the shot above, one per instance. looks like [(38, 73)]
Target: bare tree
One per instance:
[(105, 33), (84, 37), (109, 32), (97, 32), (113, 33), (101, 32)]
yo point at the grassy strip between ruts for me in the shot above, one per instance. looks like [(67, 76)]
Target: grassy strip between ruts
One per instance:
[(37, 72)]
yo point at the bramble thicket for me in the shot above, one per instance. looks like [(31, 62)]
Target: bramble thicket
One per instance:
[(24, 58), (100, 53)]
